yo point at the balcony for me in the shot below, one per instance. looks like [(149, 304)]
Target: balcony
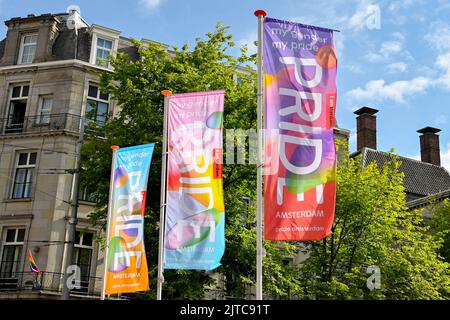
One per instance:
[(40, 124), (50, 284)]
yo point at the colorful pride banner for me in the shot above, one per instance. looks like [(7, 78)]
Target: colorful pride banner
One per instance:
[(195, 216), (126, 262), (300, 68)]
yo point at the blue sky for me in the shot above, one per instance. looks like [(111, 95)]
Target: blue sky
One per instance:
[(401, 68)]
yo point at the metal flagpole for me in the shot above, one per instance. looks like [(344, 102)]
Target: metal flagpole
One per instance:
[(162, 209), (260, 14), (108, 221)]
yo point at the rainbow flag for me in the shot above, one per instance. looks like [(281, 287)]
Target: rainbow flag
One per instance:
[(33, 266)]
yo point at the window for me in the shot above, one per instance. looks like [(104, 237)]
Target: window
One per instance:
[(86, 195), (17, 107), (23, 179), (104, 50), (82, 256), (27, 48), (237, 79), (45, 109), (105, 42), (97, 105), (12, 252)]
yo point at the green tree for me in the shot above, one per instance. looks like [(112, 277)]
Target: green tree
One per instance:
[(373, 227), (136, 86), (440, 225)]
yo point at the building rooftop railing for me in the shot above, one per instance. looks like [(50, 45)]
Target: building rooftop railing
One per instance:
[(17, 125)]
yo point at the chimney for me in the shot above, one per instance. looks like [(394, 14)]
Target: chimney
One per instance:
[(366, 124), (429, 145)]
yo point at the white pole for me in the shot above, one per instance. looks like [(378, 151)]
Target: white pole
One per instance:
[(259, 199), (162, 203), (108, 223)]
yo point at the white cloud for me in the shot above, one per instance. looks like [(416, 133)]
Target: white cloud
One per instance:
[(151, 5), (399, 36), (379, 90), (249, 40), (439, 37), (339, 43), (398, 91), (441, 119), (358, 20), (443, 63), (374, 57), (304, 20), (397, 67), (388, 50), (445, 157), (402, 4), (339, 14), (354, 68), (352, 138)]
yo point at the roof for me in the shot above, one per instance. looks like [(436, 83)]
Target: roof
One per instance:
[(429, 130), (421, 179), (67, 43), (423, 202), (365, 110)]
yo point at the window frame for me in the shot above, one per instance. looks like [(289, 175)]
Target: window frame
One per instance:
[(11, 125), (23, 45), (104, 33), (86, 196), (40, 116), (29, 178), (97, 100), (16, 264), (97, 48), (22, 85), (78, 247)]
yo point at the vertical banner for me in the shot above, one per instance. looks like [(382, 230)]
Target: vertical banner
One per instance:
[(195, 216), (300, 68), (126, 262)]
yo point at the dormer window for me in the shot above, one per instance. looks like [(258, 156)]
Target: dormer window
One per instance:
[(104, 50), (105, 43), (27, 48)]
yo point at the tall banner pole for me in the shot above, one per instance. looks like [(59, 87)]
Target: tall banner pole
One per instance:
[(108, 223), (260, 14), (162, 209)]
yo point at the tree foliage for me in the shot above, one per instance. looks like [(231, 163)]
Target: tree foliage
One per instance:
[(440, 226), (373, 227)]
